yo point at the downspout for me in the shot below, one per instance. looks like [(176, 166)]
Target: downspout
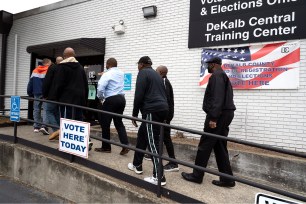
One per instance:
[(3, 70), (15, 66), (6, 22)]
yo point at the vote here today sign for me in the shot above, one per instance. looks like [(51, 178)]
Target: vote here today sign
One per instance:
[(228, 22), (74, 137)]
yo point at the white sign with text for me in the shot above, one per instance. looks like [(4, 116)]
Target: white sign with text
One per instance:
[(74, 137)]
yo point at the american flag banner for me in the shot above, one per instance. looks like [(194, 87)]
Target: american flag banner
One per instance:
[(270, 66)]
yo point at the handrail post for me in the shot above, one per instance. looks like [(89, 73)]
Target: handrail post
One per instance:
[(15, 133), (72, 157), (160, 164)]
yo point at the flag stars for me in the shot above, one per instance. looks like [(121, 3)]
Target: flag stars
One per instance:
[(242, 59), (236, 50), (229, 50), (242, 51)]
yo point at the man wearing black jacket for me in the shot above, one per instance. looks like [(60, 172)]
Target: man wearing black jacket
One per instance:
[(52, 110), (71, 85), (163, 71), (219, 106), (150, 99)]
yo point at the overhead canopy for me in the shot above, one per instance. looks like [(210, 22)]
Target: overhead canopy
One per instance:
[(82, 47)]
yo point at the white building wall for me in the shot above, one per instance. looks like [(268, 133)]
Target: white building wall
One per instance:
[(273, 117)]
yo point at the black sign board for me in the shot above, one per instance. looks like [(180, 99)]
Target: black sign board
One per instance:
[(225, 22)]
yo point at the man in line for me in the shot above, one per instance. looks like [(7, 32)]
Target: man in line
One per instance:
[(150, 99), (35, 89), (70, 85), (110, 88), (219, 106), (171, 166), (52, 110)]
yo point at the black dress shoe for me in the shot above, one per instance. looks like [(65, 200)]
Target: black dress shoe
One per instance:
[(224, 184), (191, 177)]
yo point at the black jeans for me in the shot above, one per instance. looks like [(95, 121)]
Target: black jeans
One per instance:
[(115, 104), (148, 135), (168, 141), (220, 146)]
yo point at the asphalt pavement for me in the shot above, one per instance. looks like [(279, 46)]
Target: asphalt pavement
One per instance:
[(14, 192)]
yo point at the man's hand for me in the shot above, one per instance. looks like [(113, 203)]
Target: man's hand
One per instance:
[(212, 124), (134, 123)]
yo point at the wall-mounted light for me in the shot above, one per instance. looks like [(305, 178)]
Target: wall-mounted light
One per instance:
[(119, 29), (149, 11)]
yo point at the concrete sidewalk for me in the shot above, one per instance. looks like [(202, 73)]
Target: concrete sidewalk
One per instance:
[(205, 192)]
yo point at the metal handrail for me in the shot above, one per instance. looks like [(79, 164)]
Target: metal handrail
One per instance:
[(160, 156)]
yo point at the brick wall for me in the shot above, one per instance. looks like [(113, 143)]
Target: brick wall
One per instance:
[(274, 117)]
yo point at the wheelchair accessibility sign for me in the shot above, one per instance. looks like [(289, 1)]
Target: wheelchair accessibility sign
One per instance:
[(127, 81), (15, 108)]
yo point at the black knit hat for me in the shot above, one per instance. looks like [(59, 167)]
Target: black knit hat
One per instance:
[(145, 60)]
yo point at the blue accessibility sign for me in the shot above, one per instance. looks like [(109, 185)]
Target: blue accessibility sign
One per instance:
[(15, 108), (127, 81)]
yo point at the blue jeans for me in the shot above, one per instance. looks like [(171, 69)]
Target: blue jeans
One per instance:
[(39, 114), (53, 115), (66, 112)]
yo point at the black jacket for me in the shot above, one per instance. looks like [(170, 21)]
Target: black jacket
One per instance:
[(170, 98), (48, 81), (218, 95), (150, 95), (70, 84)]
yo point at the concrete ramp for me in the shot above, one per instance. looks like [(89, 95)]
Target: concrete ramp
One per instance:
[(68, 180), (80, 184)]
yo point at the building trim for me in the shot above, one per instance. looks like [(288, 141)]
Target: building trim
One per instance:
[(47, 8)]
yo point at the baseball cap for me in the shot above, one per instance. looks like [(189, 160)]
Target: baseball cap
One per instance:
[(145, 60), (216, 60)]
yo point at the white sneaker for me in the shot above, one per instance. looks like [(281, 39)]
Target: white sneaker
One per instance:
[(154, 180), (36, 130), (138, 169)]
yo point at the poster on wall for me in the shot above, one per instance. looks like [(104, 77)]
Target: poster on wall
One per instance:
[(228, 22), (269, 66)]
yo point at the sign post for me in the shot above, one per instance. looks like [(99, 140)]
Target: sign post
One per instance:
[(15, 109)]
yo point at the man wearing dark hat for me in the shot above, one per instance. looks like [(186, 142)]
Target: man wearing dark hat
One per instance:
[(219, 106), (151, 100)]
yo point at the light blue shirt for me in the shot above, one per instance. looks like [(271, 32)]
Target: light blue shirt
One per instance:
[(111, 83)]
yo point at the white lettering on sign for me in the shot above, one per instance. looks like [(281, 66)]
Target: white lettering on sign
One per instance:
[(272, 20), (225, 25), (253, 21), (236, 6), (74, 137), (227, 36), (259, 32), (210, 1), (274, 2)]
